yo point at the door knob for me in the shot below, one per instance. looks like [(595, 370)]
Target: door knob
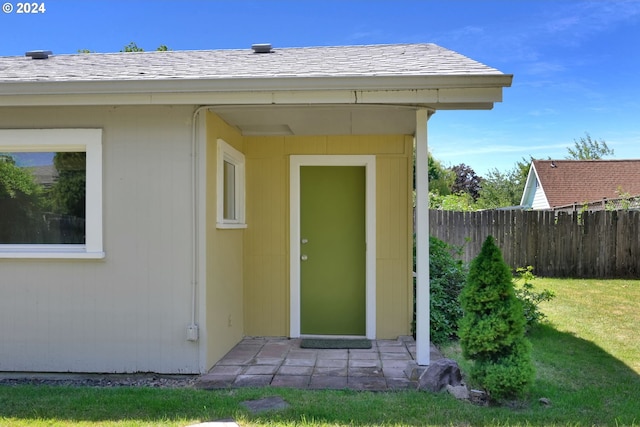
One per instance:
[(303, 241), (304, 257)]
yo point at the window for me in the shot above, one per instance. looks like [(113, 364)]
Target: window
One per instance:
[(51, 193), (230, 188)]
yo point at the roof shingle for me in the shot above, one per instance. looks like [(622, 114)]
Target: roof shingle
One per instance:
[(342, 61)]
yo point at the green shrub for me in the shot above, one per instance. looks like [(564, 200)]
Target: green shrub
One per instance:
[(492, 329), (446, 279), (530, 298), (509, 376)]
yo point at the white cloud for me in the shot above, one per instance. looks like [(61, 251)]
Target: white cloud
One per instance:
[(473, 148), (573, 23), (366, 35), (463, 33), (543, 68), (543, 112)]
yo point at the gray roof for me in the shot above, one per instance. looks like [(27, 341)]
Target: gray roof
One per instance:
[(45, 175), (324, 62)]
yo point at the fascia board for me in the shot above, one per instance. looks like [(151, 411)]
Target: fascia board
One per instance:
[(427, 96), (461, 106), (138, 99), (455, 95), (230, 99), (474, 98), (254, 84)]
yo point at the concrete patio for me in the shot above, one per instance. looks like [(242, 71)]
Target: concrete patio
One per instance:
[(280, 362)]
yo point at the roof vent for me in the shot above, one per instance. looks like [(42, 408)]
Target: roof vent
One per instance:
[(261, 48), (39, 54)]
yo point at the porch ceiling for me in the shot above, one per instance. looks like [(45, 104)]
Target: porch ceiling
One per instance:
[(319, 120)]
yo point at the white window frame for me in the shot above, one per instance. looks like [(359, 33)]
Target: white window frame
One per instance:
[(226, 153), (63, 140)]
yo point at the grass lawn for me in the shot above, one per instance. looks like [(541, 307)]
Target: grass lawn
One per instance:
[(605, 312), (587, 360)]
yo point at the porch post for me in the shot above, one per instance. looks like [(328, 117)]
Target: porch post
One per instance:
[(423, 340)]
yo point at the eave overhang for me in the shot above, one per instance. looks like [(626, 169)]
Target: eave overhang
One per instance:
[(437, 92)]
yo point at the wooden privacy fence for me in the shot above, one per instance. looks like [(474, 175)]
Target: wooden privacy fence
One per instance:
[(601, 244)]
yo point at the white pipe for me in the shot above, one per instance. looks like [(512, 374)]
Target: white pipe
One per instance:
[(192, 329)]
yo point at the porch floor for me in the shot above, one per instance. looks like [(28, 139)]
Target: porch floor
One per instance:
[(280, 362)]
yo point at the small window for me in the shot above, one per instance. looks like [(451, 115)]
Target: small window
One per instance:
[(51, 193), (230, 188)]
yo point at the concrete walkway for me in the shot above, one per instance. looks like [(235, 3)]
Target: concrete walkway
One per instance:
[(280, 362)]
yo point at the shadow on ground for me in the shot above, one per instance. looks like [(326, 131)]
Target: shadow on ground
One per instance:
[(586, 386)]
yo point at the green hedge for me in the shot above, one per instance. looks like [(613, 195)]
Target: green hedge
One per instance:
[(446, 276)]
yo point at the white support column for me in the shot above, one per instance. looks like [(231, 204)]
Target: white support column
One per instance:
[(423, 339)]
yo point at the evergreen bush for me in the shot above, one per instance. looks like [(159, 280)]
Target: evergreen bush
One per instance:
[(492, 328)]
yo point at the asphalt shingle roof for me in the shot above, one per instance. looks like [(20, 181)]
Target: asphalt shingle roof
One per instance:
[(581, 181), (343, 61)]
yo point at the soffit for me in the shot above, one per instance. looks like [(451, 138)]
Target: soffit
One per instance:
[(319, 120)]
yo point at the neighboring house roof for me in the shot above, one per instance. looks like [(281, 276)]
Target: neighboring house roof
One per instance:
[(556, 183), (45, 175)]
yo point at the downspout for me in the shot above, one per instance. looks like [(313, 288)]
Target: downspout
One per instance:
[(192, 328)]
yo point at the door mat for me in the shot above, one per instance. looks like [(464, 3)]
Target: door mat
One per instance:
[(335, 343)]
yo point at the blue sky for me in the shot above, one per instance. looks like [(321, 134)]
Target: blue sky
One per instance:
[(575, 63)]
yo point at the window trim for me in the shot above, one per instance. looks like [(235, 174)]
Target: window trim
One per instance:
[(226, 153), (87, 140)]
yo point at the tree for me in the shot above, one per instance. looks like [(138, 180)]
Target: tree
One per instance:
[(461, 202), (589, 149), (68, 195), (133, 47), (14, 180), (504, 189), (492, 329), (521, 170), (20, 203), (466, 181), (440, 178)]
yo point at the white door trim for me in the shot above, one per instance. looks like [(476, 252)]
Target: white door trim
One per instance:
[(369, 162)]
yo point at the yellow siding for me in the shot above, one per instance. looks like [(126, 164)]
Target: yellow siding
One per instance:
[(266, 262), (266, 268), (394, 306), (305, 145), (224, 252)]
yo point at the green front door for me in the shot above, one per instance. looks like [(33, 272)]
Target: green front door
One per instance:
[(332, 248)]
